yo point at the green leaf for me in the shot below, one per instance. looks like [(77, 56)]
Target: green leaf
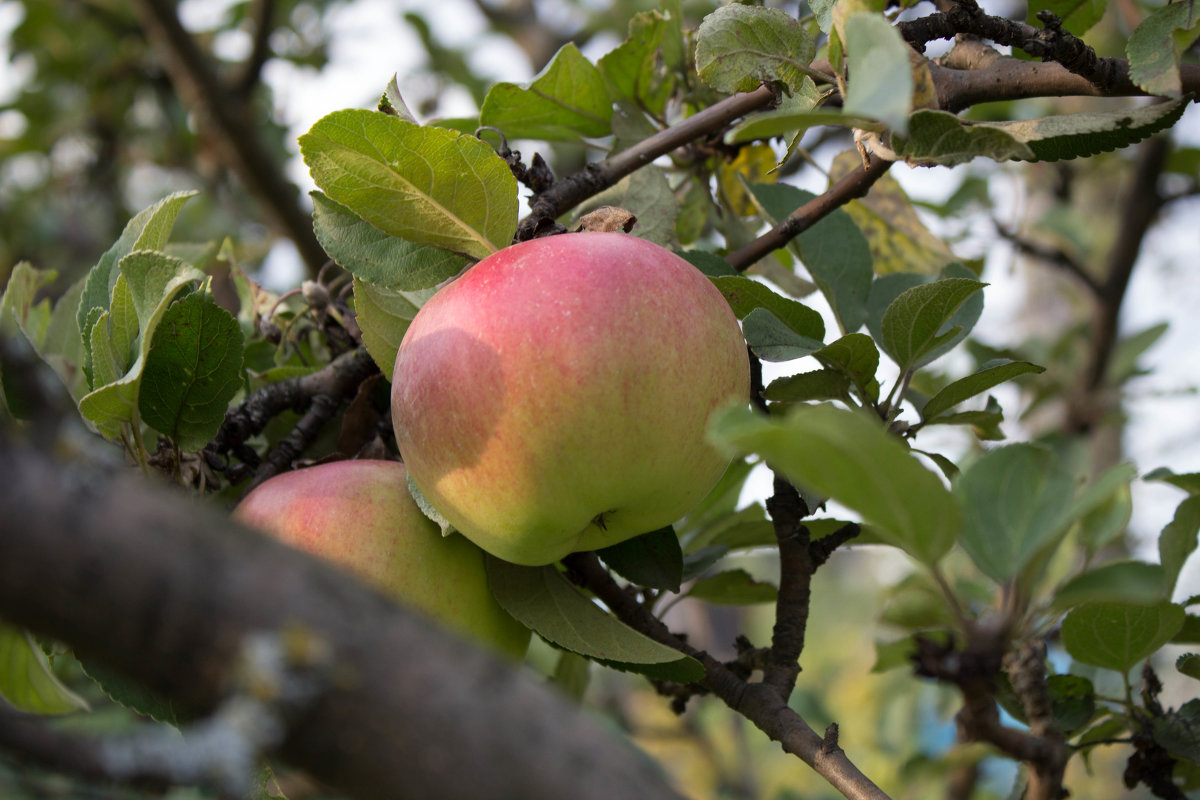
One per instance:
[(1189, 664), (1128, 582), (542, 599), (733, 588), (918, 321), (834, 251), (1015, 503), (1078, 16), (856, 356), (122, 326), (938, 137), (130, 694), (1178, 540), (1156, 44), (148, 230), (1189, 482), (1069, 136), (739, 47), (566, 100), (1189, 633), (1117, 636), (18, 305), (653, 559), (153, 280), (367, 252), (105, 367), (571, 675), (985, 422), (849, 458), (1178, 731), (26, 680), (899, 240), (383, 315), (978, 383), (771, 339), (821, 384), (1122, 365), (710, 264), (430, 186), (51, 330), (744, 295), (924, 309), (635, 70), (1107, 520), (881, 83), (1072, 701), (794, 115), (192, 371)]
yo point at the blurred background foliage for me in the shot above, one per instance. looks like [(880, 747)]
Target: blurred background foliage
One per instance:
[(93, 127)]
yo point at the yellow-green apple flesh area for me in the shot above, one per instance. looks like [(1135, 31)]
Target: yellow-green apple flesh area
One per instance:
[(360, 516), (554, 398)]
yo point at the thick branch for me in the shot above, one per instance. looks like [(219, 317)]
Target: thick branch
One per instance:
[(573, 190), (1007, 78), (167, 590), (855, 184), (1049, 44), (228, 120)]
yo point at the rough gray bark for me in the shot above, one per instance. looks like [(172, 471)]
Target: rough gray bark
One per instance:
[(165, 590)]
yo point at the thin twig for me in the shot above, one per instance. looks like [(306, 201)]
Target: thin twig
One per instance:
[(787, 510), (757, 702), (855, 184), (1055, 256), (230, 123), (574, 189)]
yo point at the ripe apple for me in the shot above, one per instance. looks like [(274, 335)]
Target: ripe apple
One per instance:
[(360, 516), (554, 398)]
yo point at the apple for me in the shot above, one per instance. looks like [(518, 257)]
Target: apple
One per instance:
[(360, 516), (554, 397)]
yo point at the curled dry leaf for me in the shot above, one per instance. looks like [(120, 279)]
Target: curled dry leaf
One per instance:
[(607, 219)]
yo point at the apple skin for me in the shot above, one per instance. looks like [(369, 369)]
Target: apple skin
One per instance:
[(554, 398), (360, 516)]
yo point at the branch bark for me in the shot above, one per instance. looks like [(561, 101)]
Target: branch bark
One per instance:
[(166, 590)]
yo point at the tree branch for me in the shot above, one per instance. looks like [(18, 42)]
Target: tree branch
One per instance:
[(855, 184), (796, 569), (757, 702), (228, 120), (337, 381), (962, 81), (167, 592), (1141, 205), (1052, 43), (1055, 256), (569, 192), (251, 70)]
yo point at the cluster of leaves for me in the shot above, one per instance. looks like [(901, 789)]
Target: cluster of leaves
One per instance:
[(1017, 534)]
